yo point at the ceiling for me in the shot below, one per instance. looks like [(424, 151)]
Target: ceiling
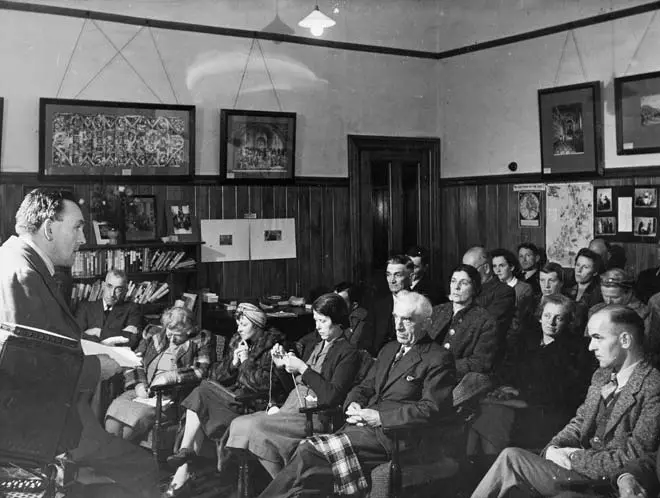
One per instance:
[(431, 25)]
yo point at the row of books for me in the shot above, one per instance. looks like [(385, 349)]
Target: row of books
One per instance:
[(140, 293), (98, 262)]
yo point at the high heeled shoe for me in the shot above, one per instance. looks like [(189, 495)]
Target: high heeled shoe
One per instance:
[(183, 491), (184, 455)]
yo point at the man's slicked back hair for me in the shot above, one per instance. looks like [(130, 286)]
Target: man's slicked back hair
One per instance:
[(39, 205)]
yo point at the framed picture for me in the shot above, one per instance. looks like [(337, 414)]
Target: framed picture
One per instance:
[(645, 197), (85, 139), (603, 200), (570, 119), (181, 220), (606, 225), (529, 209), (101, 229), (637, 104), (645, 226), (257, 146), (140, 218)]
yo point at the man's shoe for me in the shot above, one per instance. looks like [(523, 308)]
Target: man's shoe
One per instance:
[(184, 455), (183, 491)]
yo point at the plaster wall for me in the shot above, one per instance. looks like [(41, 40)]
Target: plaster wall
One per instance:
[(489, 108), (334, 92)]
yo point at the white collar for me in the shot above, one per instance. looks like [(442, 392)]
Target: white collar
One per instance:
[(42, 255), (529, 273), (512, 282), (623, 375)]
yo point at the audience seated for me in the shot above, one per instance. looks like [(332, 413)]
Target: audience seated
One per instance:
[(530, 260), (618, 422), (463, 327), (323, 376), (110, 320), (246, 368), (550, 375), (602, 248), (616, 287), (648, 281), (358, 318), (586, 290), (398, 274), (421, 281), (495, 297), (170, 356), (409, 386), (507, 269)]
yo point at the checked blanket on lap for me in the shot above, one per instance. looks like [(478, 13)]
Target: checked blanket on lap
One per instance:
[(346, 469)]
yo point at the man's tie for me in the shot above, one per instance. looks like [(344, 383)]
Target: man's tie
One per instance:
[(608, 390), (399, 354)]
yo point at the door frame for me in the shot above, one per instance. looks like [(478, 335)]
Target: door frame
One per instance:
[(360, 196)]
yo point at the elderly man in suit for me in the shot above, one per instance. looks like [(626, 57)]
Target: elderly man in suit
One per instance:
[(111, 320), (380, 330), (410, 386), (50, 225), (618, 422)]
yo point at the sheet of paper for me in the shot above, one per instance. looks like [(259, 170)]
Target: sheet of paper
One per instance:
[(625, 214), (152, 401), (225, 240), (273, 238), (124, 356)]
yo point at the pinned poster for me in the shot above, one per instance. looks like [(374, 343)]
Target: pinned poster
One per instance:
[(225, 240), (273, 238)]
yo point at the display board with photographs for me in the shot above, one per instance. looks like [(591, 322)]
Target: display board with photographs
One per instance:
[(626, 214)]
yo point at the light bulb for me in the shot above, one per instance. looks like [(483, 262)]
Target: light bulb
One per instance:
[(316, 30)]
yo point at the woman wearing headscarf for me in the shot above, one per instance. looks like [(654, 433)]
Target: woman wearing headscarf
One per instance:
[(210, 406), (323, 375)]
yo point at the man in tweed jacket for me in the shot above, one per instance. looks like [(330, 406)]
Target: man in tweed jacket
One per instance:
[(618, 422)]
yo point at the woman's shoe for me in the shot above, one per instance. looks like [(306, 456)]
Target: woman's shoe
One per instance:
[(183, 491), (184, 455)]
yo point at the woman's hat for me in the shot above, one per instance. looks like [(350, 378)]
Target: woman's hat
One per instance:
[(252, 313)]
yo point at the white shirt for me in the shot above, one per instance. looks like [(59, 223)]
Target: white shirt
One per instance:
[(512, 282), (42, 255), (623, 375), (529, 273)]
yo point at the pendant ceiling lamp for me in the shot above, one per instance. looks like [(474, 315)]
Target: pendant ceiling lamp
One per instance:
[(316, 22)]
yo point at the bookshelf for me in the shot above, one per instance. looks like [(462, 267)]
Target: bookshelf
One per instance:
[(158, 273)]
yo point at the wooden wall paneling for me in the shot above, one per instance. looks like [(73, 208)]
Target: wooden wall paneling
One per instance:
[(268, 283), (327, 249), (241, 281), (424, 201), (507, 222), (257, 285), (278, 269), (202, 201), (293, 265), (451, 222), (305, 277), (341, 236), (224, 279), (314, 259)]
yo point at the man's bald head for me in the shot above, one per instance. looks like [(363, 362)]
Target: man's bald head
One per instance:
[(602, 248), (478, 258)]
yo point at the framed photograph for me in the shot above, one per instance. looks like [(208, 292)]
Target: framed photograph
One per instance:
[(637, 104), (140, 218), (181, 220), (529, 209), (603, 200), (645, 226), (101, 229), (570, 119), (86, 139), (605, 225), (646, 198), (257, 146)]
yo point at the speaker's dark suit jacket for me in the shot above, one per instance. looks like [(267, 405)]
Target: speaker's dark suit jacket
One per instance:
[(90, 314), (29, 295)]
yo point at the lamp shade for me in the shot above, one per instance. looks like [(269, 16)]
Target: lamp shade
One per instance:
[(316, 22)]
